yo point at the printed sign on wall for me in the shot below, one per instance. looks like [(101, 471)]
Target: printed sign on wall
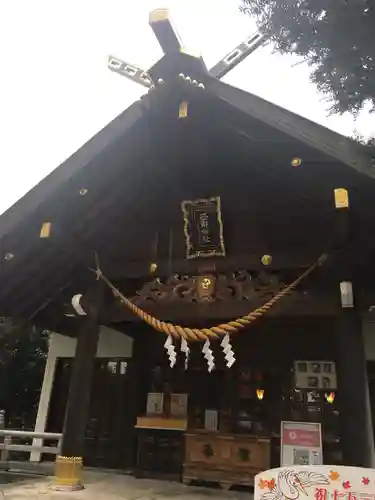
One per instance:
[(155, 403), (315, 375), (301, 443), (179, 403), (324, 482)]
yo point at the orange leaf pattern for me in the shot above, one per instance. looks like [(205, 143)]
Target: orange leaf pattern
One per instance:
[(334, 476)]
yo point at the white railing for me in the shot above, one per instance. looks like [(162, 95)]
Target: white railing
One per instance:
[(7, 438)]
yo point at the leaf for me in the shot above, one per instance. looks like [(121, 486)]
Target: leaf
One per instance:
[(337, 39), (23, 351)]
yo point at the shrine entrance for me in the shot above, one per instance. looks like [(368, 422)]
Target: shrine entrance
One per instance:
[(203, 410)]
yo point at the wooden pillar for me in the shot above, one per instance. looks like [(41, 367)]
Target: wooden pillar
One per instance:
[(357, 441), (80, 389), (69, 463)]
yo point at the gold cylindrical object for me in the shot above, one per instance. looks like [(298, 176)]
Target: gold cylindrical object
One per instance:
[(68, 473)]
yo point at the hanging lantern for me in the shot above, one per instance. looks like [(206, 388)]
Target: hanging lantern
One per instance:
[(260, 394), (296, 162), (330, 397)]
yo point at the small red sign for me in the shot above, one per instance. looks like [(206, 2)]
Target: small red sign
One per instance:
[(297, 436), (302, 438)]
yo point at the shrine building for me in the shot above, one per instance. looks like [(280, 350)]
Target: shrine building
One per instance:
[(205, 267)]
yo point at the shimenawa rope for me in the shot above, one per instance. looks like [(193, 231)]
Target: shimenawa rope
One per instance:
[(231, 327)]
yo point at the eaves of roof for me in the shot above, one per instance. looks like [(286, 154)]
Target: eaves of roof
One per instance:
[(322, 139), (81, 159), (316, 136)]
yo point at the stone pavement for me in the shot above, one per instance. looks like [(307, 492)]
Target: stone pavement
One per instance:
[(105, 486)]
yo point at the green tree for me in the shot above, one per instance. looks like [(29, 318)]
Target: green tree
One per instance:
[(366, 145), (336, 37), (23, 350)]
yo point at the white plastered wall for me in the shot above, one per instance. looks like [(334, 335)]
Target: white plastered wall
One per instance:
[(111, 344)]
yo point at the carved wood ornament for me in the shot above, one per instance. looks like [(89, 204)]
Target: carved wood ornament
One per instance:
[(238, 286)]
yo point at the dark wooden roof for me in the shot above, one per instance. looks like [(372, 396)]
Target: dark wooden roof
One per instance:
[(138, 169), (323, 139)]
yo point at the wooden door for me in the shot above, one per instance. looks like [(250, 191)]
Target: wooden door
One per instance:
[(110, 424), (109, 440)]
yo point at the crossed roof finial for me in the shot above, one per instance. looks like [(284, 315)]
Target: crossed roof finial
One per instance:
[(170, 42)]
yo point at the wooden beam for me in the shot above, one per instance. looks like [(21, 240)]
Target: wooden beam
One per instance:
[(122, 269), (237, 55), (164, 31), (317, 304)]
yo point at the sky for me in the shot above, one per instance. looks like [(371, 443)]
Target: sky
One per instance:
[(56, 91)]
